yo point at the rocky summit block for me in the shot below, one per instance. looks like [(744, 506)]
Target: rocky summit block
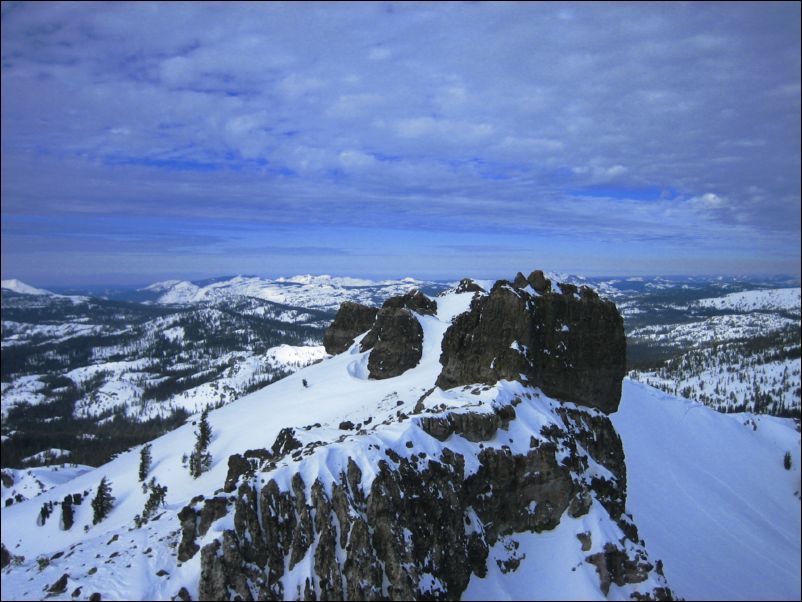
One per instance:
[(570, 344), (395, 341), (352, 320), (414, 300)]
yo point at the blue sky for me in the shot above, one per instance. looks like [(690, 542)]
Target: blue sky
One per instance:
[(143, 141)]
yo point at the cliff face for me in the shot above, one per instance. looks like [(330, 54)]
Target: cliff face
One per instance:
[(569, 344), (419, 505), (425, 522)]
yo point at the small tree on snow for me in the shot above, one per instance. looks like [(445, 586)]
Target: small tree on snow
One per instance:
[(144, 462), (103, 502), (200, 460)]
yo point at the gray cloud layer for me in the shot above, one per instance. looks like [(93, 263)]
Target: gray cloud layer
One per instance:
[(618, 123)]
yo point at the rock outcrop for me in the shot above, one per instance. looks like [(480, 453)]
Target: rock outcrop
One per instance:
[(413, 300), (395, 343), (570, 344), (424, 525), (352, 320)]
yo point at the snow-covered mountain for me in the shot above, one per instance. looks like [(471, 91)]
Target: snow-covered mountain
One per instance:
[(734, 352), (20, 287), (336, 480), (315, 292)]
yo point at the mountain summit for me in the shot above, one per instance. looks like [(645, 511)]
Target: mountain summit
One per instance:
[(456, 447)]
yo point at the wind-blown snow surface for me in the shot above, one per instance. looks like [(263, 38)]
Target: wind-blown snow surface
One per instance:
[(338, 391), (711, 497)]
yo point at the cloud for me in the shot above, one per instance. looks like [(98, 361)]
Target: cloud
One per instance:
[(414, 117)]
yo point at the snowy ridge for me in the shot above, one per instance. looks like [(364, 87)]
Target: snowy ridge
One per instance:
[(20, 287), (27, 483), (786, 299), (314, 292), (735, 482)]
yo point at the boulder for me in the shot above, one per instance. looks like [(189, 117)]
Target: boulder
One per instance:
[(466, 285), (395, 341), (570, 345), (351, 320)]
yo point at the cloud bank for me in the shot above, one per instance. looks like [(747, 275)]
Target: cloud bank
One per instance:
[(385, 139)]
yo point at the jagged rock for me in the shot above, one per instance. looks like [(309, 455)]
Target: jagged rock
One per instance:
[(346, 425), (585, 540), (183, 595), (466, 285), (95, 597), (213, 509), (285, 443), (237, 466), (420, 519), (438, 427), (615, 566), (188, 519), (60, 585), (475, 426), (5, 556), (7, 479), (351, 320), (520, 281), (572, 347), (539, 282), (413, 300), (395, 341)]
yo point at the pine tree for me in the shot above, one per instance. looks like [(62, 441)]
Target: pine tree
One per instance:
[(103, 502), (156, 499), (144, 462), (201, 460)]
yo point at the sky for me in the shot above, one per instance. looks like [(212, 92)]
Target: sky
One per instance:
[(144, 141)]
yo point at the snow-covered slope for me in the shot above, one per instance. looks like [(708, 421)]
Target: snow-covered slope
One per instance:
[(315, 292), (386, 417), (711, 496), (20, 287), (27, 483), (788, 299)]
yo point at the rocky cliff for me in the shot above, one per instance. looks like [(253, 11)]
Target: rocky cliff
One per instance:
[(412, 507), (570, 344)]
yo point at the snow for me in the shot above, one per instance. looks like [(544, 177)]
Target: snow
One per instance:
[(47, 455), (20, 287), (708, 493), (711, 497), (308, 291), (31, 482), (785, 299)]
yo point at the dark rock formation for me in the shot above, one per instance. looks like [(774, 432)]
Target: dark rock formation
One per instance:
[(421, 517), (466, 285), (395, 341), (615, 566), (195, 524), (351, 320), (5, 556), (571, 346), (237, 467), (414, 300), (539, 282), (59, 586), (520, 281)]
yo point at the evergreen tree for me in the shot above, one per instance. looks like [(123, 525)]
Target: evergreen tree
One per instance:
[(200, 460), (144, 462), (103, 502), (156, 499)]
